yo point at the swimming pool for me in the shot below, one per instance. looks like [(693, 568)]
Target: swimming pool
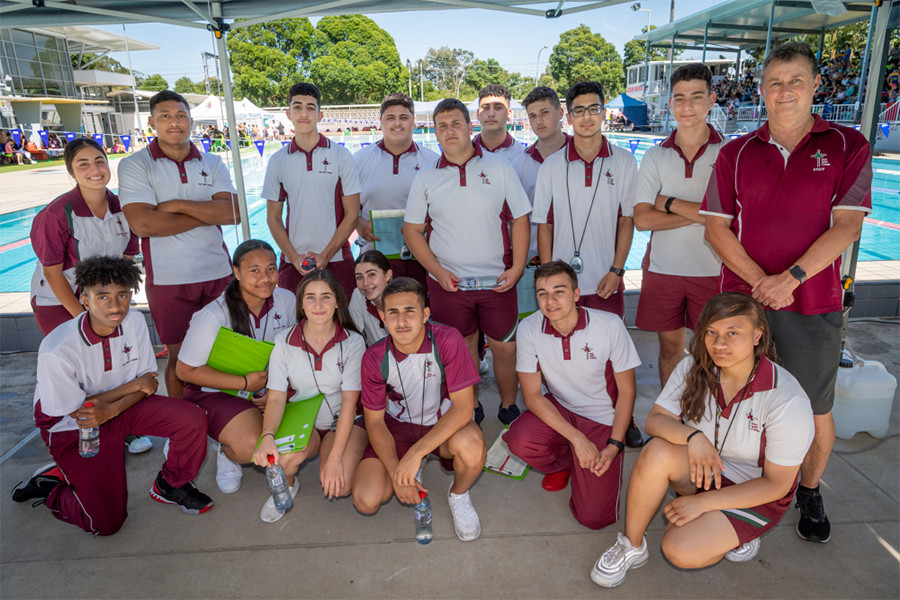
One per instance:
[(880, 234)]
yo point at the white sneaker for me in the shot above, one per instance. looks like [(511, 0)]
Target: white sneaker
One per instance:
[(483, 367), (270, 514), (465, 519), (610, 569), (137, 443), (228, 474), (744, 553)]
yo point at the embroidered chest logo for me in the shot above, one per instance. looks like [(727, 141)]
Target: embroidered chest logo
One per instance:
[(277, 317), (121, 228), (609, 178), (821, 160), (589, 353), (126, 350), (325, 165), (484, 179), (417, 167), (205, 175), (753, 422), (429, 372)]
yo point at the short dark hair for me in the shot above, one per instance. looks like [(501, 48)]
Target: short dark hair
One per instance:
[(692, 72), (790, 51), (556, 267), (398, 100), (404, 285), (449, 105), (305, 89), (495, 89), (76, 146), (541, 93), (584, 87), (107, 270), (168, 96)]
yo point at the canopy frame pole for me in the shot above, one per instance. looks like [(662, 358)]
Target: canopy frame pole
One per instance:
[(220, 34), (822, 42), (669, 82), (768, 45), (705, 37), (863, 73)]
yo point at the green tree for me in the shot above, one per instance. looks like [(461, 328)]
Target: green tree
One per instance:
[(267, 59), (446, 68), (184, 85), (584, 56), (104, 63), (153, 83), (355, 61), (486, 72), (636, 52)]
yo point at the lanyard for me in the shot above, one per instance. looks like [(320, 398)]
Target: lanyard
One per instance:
[(719, 408), (312, 369), (405, 397), (590, 209)]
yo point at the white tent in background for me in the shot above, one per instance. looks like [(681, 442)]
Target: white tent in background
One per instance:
[(246, 110), (211, 109)]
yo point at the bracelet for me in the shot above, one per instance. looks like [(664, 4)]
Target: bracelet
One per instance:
[(265, 434), (669, 204), (688, 441), (619, 445), (245, 383)]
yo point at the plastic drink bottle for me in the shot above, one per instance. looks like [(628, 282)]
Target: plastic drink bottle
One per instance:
[(308, 264), (89, 439), (422, 510), (487, 282), (281, 495)]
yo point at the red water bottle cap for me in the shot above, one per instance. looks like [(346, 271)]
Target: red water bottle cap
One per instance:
[(422, 494), (271, 459), (89, 405)]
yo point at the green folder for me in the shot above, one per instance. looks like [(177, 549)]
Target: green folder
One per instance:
[(238, 354), (297, 424), (526, 293), (386, 226)]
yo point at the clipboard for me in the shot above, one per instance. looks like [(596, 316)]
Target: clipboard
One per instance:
[(386, 225), (502, 462), (526, 293), (238, 354), (297, 425)]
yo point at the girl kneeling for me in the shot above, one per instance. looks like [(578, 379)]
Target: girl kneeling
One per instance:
[(733, 462)]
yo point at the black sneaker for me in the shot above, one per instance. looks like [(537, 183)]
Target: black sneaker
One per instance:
[(633, 438), (813, 525), (187, 497), (508, 415), (40, 485), (479, 414)]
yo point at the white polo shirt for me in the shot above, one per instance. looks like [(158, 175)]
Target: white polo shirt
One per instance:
[(150, 177), (574, 366), (509, 149), (468, 208), (612, 176), (312, 184), (527, 164), (385, 178), (416, 388), (66, 232), (75, 363), (278, 314), (773, 422), (293, 363), (666, 171), (365, 316)]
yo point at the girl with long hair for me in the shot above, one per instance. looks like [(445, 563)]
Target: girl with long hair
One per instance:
[(254, 306), (373, 273), (730, 431), (321, 354)]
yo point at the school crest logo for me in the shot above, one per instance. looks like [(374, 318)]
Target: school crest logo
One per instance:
[(417, 167), (205, 177), (429, 372), (753, 422), (277, 317), (484, 179), (609, 178), (821, 160), (325, 165), (589, 353), (126, 350)]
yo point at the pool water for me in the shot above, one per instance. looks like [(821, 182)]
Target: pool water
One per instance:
[(880, 234)]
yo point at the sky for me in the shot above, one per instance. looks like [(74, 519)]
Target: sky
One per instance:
[(513, 40)]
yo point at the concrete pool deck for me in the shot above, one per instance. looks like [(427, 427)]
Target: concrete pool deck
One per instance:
[(530, 547)]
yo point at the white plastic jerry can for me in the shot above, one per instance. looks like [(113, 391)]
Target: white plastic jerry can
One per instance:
[(864, 395)]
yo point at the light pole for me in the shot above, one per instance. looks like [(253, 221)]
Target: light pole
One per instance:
[(636, 7), (537, 69), (409, 71)]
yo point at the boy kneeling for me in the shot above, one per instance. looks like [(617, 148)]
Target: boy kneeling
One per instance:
[(577, 429), (422, 376), (99, 370)]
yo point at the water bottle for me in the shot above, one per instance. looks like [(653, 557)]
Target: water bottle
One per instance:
[(307, 264), (278, 485), (488, 282), (89, 439), (423, 520)]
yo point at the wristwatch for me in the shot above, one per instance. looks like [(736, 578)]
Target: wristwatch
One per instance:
[(798, 273), (617, 444), (669, 204), (617, 271)]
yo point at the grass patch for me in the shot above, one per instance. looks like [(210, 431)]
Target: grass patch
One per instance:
[(53, 162)]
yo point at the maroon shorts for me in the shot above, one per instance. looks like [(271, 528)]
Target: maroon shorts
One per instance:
[(172, 306), (405, 435), (497, 315), (750, 523), (411, 269), (670, 302), (220, 407), (289, 277), (50, 317), (615, 304)]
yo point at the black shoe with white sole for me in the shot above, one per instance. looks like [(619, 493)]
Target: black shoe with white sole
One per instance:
[(188, 498), (40, 485)]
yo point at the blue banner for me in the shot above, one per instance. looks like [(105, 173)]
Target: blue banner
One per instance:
[(70, 136), (286, 142), (45, 137), (260, 146), (734, 136), (150, 139), (17, 136), (229, 144), (634, 144), (206, 143), (657, 141), (126, 141), (885, 128), (856, 127), (98, 137)]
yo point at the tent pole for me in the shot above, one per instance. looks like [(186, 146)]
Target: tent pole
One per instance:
[(768, 45), (232, 121), (865, 62)]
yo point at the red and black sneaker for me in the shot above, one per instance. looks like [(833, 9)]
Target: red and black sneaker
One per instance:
[(188, 498), (40, 485)]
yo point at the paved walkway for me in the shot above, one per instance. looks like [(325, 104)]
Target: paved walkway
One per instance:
[(531, 547)]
